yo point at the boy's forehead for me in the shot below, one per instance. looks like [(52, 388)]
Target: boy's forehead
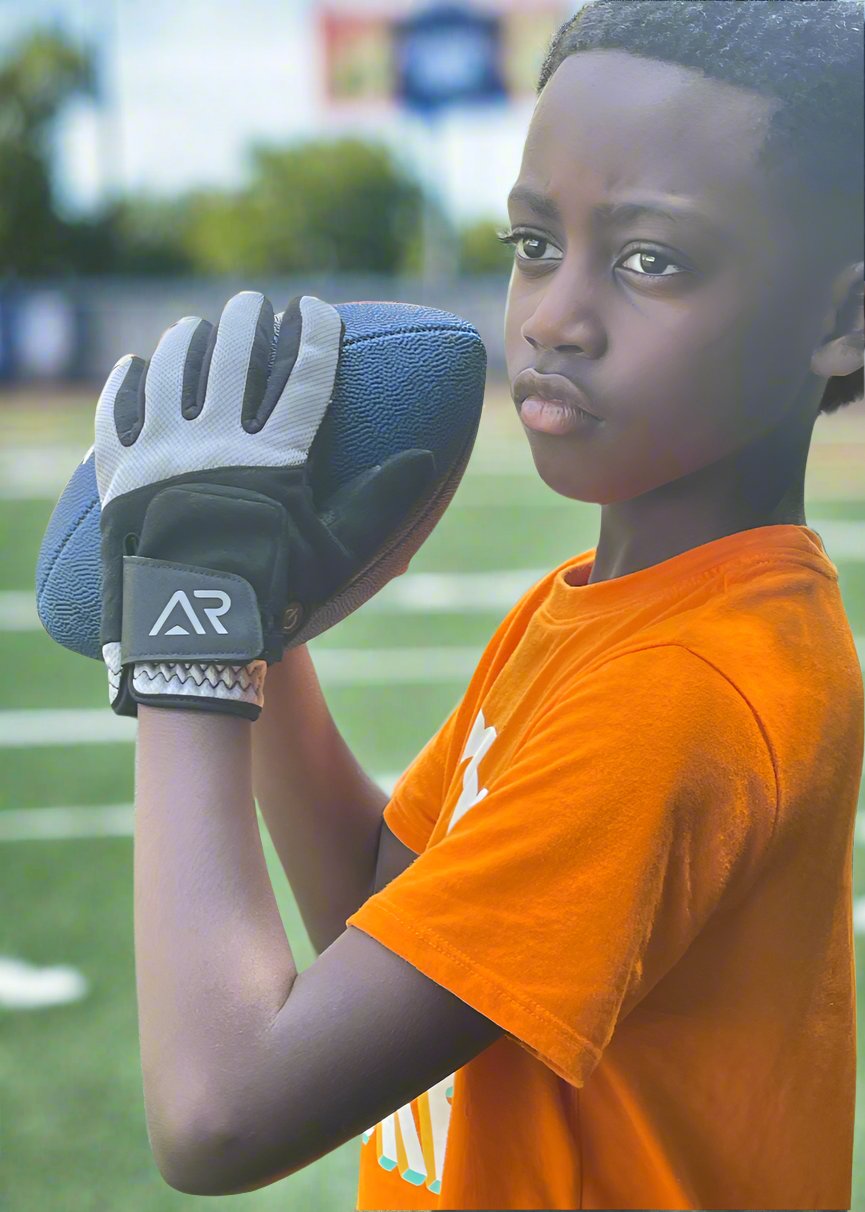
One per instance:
[(614, 121)]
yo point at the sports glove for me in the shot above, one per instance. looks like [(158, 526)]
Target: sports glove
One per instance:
[(213, 548)]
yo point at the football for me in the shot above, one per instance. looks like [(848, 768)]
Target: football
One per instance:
[(409, 377)]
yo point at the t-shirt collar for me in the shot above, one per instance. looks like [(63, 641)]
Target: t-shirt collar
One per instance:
[(570, 594)]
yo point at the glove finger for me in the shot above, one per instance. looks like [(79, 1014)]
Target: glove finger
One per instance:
[(306, 377), (168, 373), (129, 403), (195, 362), (363, 513), (285, 356), (263, 348), (242, 341), (108, 445)]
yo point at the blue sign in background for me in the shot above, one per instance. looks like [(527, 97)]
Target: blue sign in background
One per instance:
[(446, 55), (43, 333)]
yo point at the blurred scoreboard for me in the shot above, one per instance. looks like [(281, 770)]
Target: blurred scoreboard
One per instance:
[(425, 57)]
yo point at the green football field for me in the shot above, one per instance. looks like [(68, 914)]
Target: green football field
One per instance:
[(72, 1125)]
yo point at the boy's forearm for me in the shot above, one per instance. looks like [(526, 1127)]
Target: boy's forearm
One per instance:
[(322, 811), (213, 964)]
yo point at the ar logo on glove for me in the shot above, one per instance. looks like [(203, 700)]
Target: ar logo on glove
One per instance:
[(179, 598)]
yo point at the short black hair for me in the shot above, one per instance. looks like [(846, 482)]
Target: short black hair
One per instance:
[(808, 54)]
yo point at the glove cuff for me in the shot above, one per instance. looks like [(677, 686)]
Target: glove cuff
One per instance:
[(235, 689), (111, 657)]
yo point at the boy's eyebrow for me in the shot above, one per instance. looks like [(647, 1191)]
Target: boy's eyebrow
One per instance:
[(612, 212)]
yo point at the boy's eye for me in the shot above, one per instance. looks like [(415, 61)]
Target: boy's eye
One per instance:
[(655, 261), (535, 245), (649, 262)]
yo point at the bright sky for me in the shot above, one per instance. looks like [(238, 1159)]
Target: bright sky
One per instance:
[(190, 83)]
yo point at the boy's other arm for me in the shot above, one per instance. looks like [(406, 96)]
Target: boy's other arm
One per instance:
[(323, 812), (251, 1070)]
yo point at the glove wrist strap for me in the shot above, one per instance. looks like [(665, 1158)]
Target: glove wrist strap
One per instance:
[(238, 689), (216, 687)]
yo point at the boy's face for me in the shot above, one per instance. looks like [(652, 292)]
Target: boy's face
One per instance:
[(700, 346)]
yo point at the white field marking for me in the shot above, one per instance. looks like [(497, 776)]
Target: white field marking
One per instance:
[(103, 820), (30, 471), (77, 726), (18, 611), (335, 666), (26, 986), (414, 592), (463, 592), (843, 538), (440, 592), (118, 820), (39, 473)]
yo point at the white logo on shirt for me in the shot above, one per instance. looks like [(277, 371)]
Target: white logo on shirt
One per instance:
[(480, 739), (424, 1153)]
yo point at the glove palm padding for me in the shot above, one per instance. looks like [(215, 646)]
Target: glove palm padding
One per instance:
[(271, 536)]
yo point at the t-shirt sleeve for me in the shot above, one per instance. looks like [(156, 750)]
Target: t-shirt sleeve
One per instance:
[(634, 807), (418, 794)]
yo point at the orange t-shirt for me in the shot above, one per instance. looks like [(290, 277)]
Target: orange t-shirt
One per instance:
[(635, 838)]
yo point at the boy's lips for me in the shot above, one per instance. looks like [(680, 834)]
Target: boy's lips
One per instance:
[(554, 388)]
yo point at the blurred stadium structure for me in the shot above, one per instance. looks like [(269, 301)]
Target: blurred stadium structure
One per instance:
[(52, 331)]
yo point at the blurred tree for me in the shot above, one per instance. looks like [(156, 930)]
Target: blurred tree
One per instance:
[(336, 205), (480, 251), (36, 79), (148, 236), (343, 206)]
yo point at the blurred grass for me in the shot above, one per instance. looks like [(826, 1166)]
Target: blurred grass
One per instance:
[(74, 1130)]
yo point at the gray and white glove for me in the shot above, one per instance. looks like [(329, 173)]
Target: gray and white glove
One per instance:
[(213, 549)]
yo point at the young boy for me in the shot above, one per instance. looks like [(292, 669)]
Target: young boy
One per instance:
[(607, 961)]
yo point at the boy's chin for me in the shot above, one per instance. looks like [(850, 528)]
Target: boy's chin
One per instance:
[(565, 472)]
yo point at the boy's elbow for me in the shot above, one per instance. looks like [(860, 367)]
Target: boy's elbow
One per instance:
[(193, 1156)]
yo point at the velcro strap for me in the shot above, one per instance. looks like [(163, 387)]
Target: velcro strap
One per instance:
[(177, 612)]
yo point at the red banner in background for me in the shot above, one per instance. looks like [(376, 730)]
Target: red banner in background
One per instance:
[(358, 57), (358, 53)]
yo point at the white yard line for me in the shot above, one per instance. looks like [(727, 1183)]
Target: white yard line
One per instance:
[(843, 538), (35, 727), (415, 592), (40, 473), (65, 824), (442, 592), (18, 610), (118, 820), (103, 820), (38, 727)]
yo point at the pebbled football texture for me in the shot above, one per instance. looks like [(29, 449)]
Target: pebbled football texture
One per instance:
[(408, 377)]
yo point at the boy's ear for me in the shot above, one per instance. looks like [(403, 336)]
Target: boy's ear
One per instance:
[(842, 350)]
